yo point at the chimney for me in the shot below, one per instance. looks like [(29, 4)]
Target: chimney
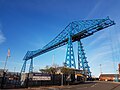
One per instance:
[(119, 68)]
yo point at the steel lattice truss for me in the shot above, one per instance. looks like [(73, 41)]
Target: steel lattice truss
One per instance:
[(79, 30)]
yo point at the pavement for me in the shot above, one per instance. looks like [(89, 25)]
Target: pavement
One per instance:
[(95, 85)]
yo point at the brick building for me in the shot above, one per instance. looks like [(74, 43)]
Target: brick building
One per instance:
[(110, 77)]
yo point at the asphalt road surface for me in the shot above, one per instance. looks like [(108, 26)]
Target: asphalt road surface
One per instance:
[(94, 86), (85, 86)]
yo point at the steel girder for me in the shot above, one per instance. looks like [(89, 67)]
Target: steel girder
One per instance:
[(80, 29)]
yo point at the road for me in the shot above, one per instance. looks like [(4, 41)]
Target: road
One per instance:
[(85, 86), (94, 86)]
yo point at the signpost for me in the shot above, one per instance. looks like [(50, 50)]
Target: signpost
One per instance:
[(42, 77)]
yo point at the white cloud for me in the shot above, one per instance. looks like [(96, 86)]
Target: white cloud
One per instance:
[(95, 8), (97, 39), (107, 54), (100, 53), (2, 38)]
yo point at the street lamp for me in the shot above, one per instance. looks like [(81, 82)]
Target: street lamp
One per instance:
[(61, 79), (100, 68), (116, 76)]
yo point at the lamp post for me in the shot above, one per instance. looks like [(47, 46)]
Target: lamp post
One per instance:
[(4, 72), (5, 63), (116, 76), (8, 55), (61, 79), (100, 68)]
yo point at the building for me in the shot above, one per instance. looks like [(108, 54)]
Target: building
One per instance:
[(109, 77), (119, 68)]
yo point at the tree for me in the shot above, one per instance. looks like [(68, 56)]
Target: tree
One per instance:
[(50, 70), (66, 70)]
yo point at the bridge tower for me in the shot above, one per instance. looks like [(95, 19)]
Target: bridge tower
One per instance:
[(82, 60), (31, 66), (24, 66), (70, 59)]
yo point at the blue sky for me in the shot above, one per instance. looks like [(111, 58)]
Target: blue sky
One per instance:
[(31, 24)]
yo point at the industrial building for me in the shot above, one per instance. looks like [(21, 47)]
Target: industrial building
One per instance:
[(110, 77)]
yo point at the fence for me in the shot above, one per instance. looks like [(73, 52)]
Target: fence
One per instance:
[(10, 80), (31, 80)]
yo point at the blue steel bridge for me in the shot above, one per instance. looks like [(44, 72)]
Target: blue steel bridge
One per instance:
[(74, 31)]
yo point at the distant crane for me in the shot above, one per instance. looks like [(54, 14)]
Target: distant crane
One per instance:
[(74, 31)]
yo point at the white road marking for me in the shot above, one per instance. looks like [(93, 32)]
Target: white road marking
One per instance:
[(93, 85)]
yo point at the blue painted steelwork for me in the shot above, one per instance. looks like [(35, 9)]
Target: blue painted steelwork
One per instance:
[(79, 29), (82, 60), (80, 65), (31, 66), (24, 66), (70, 60)]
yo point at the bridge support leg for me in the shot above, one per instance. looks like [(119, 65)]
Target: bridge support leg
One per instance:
[(70, 60), (82, 60), (31, 66), (24, 66)]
